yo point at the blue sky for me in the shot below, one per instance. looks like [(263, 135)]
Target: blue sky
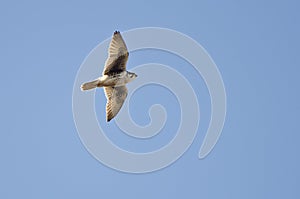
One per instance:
[(255, 45)]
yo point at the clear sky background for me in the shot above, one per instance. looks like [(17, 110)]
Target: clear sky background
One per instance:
[(255, 45)]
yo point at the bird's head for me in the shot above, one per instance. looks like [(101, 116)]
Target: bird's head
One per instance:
[(132, 75)]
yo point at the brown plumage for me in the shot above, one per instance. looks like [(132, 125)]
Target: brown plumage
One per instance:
[(114, 76)]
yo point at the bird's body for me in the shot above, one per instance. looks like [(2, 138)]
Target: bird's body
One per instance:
[(114, 77), (118, 79)]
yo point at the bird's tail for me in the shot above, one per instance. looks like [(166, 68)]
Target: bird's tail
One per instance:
[(90, 85)]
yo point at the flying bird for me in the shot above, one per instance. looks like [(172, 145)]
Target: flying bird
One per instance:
[(114, 76)]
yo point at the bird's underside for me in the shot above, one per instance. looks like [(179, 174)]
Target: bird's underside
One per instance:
[(114, 76)]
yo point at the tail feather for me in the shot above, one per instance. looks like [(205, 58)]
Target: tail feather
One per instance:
[(90, 85)]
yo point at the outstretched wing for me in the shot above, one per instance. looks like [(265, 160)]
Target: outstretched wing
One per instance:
[(115, 98), (117, 55)]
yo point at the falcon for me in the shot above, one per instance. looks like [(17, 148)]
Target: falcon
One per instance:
[(114, 76)]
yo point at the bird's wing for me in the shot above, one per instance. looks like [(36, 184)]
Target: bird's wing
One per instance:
[(117, 55), (115, 98)]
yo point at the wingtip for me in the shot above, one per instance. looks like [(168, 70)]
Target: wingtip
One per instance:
[(108, 118), (116, 32)]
